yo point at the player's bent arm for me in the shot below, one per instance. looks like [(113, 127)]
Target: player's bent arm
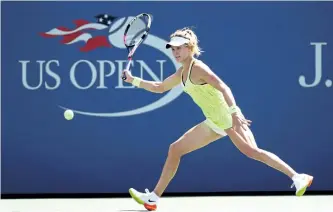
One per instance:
[(160, 87), (211, 78)]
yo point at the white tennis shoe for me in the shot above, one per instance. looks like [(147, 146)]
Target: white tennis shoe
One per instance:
[(149, 199), (301, 182)]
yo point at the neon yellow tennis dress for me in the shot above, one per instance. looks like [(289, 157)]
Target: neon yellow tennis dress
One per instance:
[(211, 101)]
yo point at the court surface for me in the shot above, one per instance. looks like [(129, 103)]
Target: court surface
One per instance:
[(175, 204)]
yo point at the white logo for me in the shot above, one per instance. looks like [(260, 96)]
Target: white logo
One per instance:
[(318, 68), (116, 39)]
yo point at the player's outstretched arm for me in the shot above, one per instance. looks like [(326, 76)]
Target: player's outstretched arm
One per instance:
[(152, 86)]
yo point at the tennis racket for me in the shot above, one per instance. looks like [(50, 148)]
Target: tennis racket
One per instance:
[(135, 33)]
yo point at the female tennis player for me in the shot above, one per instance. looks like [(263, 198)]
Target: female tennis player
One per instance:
[(223, 117)]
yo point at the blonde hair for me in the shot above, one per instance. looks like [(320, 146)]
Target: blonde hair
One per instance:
[(188, 33)]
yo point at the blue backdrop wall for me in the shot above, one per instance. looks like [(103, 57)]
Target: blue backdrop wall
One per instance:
[(276, 57)]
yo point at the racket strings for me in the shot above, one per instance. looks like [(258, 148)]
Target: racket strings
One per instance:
[(136, 30)]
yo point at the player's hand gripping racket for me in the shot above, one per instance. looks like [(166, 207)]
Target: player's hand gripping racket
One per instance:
[(135, 33)]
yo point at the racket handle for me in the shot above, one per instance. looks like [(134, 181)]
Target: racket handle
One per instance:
[(124, 76), (127, 69)]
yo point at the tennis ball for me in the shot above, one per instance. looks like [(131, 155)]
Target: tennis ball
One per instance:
[(69, 114)]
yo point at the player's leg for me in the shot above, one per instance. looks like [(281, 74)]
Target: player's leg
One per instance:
[(195, 138), (245, 142)]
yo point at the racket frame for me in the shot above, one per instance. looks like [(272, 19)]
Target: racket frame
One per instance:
[(132, 48)]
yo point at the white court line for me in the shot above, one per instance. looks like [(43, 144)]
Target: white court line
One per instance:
[(176, 204)]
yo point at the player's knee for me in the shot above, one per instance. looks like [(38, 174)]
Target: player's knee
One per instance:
[(175, 150), (252, 152)]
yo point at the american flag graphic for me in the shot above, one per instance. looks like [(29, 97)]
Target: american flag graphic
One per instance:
[(81, 33)]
